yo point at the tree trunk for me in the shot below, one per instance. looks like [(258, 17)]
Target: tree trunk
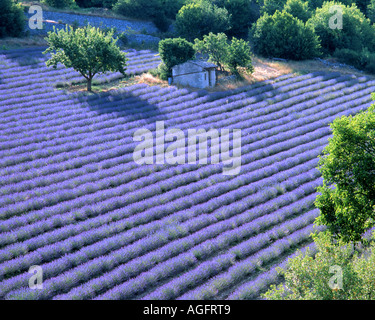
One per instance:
[(89, 81)]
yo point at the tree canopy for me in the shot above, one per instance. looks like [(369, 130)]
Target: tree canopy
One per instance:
[(87, 50), (347, 197)]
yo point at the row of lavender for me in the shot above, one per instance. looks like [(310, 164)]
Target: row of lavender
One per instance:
[(73, 201), (24, 68)]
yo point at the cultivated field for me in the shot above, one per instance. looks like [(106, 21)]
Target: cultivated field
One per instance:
[(74, 201)]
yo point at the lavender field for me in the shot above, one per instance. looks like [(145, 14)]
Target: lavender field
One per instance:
[(73, 201)]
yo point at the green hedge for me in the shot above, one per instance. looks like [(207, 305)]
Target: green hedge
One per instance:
[(12, 19)]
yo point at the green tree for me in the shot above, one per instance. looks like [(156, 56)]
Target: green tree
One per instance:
[(215, 46), (371, 11), (141, 9), (194, 20), (239, 56), (155, 10), (59, 3), (243, 13), (87, 50), (310, 276), (347, 197), (96, 3), (171, 7), (284, 36), (299, 9), (174, 51), (12, 20), (356, 32), (270, 6)]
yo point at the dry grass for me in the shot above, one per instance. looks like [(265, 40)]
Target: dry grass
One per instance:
[(149, 79), (268, 69), (126, 82)]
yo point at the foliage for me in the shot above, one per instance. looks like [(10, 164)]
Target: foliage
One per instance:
[(284, 36), (11, 19), (299, 9), (59, 3), (243, 13), (161, 71), (96, 3), (270, 6), (355, 34), (197, 19), (348, 165), (140, 9), (171, 7), (87, 50), (363, 60), (308, 277), (174, 51), (239, 56), (370, 11), (161, 22), (215, 46), (149, 9)]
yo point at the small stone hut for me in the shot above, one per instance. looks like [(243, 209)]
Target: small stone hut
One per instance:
[(195, 73)]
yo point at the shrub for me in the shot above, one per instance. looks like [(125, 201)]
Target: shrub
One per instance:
[(163, 72), (195, 20), (139, 9), (96, 3), (175, 51), (161, 22), (215, 46), (284, 36), (351, 57), (171, 7), (270, 6), (309, 277), (370, 11), (243, 13), (59, 3), (299, 9), (12, 20), (347, 165), (356, 32), (239, 56)]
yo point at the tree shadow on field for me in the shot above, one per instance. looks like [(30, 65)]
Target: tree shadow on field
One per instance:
[(30, 57), (123, 103), (266, 89)]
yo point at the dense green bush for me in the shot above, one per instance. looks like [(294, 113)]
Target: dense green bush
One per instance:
[(171, 7), (243, 13), (194, 20), (161, 22), (140, 9), (156, 10), (239, 56), (12, 19), (174, 51), (284, 36), (215, 46), (370, 11), (270, 6), (59, 3), (338, 271), (356, 32), (96, 3), (347, 197), (363, 60), (299, 9)]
